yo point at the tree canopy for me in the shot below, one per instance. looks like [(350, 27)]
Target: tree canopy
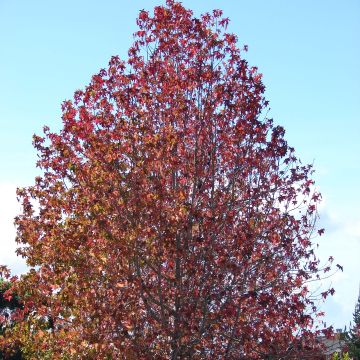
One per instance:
[(171, 219)]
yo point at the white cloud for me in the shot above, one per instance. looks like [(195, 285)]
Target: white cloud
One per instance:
[(9, 208), (342, 241)]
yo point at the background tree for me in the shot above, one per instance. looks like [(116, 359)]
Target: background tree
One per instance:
[(353, 335), (171, 220), (9, 303)]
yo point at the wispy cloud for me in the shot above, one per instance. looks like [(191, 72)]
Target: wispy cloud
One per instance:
[(342, 241), (9, 208)]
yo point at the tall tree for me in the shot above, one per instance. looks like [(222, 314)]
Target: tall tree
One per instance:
[(171, 220), (353, 336)]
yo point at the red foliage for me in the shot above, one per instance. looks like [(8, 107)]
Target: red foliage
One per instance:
[(172, 218)]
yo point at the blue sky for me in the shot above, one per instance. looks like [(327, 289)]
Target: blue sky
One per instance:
[(308, 52)]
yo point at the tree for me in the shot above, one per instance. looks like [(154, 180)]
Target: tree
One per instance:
[(171, 220), (353, 336), (9, 304)]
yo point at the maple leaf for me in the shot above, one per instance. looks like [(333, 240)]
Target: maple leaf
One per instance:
[(339, 267)]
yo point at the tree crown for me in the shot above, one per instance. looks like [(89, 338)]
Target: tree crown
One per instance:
[(172, 219)]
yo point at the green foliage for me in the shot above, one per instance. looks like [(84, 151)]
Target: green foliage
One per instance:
[(353, 335), (337, 356), (7, 305)]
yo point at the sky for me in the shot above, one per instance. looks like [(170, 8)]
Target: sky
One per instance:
[(308, 52)]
